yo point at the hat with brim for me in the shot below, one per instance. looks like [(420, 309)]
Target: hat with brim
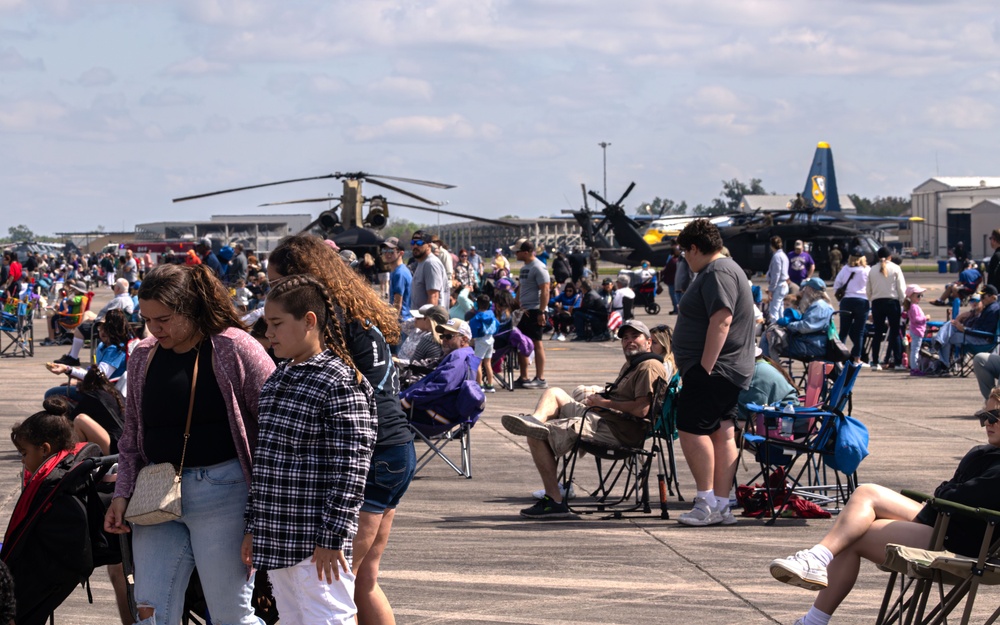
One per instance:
[(914, 288), (638, 326), (437, 314), (455, 326), (815, 283), (989, 289)]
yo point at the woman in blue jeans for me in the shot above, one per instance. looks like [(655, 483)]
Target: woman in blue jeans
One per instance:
[(854, 306), (198, 345)]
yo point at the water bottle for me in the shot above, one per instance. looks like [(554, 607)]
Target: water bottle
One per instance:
[(787, 423)]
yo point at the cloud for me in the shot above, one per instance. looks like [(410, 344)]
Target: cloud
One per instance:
[(285, 123), (962, 113), (12, 61), (96, 77), (198, 66), (217, 123), (303, 84), (170, 97), (404, 88), (31, 114), (421, 128)]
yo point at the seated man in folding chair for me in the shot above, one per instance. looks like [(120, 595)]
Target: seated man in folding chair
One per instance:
[(433, 399), (953, 332), (876, 516), (554, 424)]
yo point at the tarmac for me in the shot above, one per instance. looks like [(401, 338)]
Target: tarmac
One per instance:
[(460, 553)]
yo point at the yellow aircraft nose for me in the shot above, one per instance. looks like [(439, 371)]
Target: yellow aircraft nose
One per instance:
[(652, 237)]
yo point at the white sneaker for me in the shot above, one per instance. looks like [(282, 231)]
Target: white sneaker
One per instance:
[(561, 337), (875, 366), (726, 514), (538, 494), (700, 515), (802, 569)]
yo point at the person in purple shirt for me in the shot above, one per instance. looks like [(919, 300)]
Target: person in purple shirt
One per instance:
[(800, 264)]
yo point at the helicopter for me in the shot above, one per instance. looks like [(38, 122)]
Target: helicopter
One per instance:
[(352, 228), (814, 217)]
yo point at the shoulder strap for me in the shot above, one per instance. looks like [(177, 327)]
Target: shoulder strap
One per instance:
[(187, 426), (636, 361)]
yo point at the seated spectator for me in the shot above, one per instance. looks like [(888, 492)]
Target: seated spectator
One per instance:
[(241, 297), (563, 307), (111, 356), (70, 305), (806, 337), (770, 384), (621, 293), (121, 301), (552, 426), (427, 351), (435, 397), (876, 516), (459, 303), (953, 332), (99, 416), (591, 317), (968, 282)]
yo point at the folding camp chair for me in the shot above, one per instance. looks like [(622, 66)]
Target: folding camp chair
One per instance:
[(920, 576), (813, 451), (438, 435), (963, 353), (17, 328), (664, 434), (622, 471)]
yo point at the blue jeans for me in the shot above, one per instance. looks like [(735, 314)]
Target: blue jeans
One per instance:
[(854, 315), (70, 392), (208, 535), (673, 296)]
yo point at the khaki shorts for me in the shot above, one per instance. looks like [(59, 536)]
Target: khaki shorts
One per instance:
[(564, 431)]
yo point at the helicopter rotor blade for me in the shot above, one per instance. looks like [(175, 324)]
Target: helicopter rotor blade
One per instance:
[(597, 197), (256, 186), (426, 183), (586, 206), (315, 199), (386, 185), (453, 214), (625, 195)]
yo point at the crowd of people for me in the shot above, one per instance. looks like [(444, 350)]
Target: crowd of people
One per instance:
[(305, 370)]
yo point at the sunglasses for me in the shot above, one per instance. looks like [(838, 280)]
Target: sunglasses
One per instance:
[(660, 328), (416, 242), (988, 416), (388, 251)]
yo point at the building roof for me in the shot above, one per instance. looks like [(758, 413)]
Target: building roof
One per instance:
[(959, 182), (766, 203)]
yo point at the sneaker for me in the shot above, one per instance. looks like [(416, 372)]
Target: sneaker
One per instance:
[(726, 514), (803, 570), (68, 360), (700, 515), (917, 373), (927, 353), (547, 508), (536, 383), (520, 382), (488, 388), (875, 366), (571, 494), (525, 425), (561, 337)]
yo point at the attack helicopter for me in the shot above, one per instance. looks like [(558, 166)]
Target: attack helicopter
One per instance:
[(814, 217), (348, 223)]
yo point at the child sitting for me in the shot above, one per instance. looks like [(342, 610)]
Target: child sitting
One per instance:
[(317, 434), (484, 325)]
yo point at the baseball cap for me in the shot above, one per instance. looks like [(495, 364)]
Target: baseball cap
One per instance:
[(348, 256), (798, 244), (523, 245), (333, 245), (857, 251), (472, 248), (989, 289), (638, 326), (391, 243), (815, 283), (456, 326), (432, 312), (205, 242), (914, 288), (422, 235)]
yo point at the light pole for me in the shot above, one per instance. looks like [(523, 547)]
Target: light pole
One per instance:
[(604, 148)]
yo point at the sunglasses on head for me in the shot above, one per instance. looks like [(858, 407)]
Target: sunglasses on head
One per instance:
[(416, 242), (660, 328), (988, 416)]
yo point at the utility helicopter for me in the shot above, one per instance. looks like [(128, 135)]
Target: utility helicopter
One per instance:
[(814, 216), (352, 227)]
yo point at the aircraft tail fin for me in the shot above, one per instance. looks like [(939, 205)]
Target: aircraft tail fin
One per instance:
[(821, 185)]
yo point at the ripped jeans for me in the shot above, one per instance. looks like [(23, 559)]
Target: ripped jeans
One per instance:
[(208, 535)]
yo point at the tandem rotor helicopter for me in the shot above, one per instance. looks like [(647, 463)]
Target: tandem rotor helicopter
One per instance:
[(352, 226), (815, 217)]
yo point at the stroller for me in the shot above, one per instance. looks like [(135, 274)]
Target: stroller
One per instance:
[(645, 296), (55, 538)]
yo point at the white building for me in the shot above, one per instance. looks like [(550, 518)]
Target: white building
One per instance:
[(261, 232), (945, 203)]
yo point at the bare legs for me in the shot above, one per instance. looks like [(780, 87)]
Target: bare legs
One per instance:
[(369, 545), (872, 518), (549, 403), (712, 458), (89, 431)]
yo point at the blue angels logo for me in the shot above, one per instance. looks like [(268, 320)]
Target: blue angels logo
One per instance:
[(819, 190)]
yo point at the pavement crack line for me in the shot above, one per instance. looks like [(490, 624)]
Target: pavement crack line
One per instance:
[(707, 574)]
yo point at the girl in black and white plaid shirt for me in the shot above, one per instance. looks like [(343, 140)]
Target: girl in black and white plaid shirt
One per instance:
[(317, 432)]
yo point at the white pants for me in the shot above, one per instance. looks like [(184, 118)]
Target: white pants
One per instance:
[(776, 307), (305, 600)]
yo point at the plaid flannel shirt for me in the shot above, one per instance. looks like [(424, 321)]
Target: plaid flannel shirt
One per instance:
[(317, 433)]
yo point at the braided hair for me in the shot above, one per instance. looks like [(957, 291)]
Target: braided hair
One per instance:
[(304, 293)]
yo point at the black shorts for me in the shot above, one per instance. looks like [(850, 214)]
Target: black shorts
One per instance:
[(529, 325), (705, 401)]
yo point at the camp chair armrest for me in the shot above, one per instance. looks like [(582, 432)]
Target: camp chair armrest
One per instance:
[(915, 495), (980, 334), (950, 507), (619, 414)]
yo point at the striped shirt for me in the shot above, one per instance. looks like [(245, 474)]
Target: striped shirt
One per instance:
[(317, 433)]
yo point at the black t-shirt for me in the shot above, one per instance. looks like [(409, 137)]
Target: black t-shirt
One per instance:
[(372, 358), (165, 400), (102, 406)]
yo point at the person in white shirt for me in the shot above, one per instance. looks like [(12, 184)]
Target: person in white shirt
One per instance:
[(886, 291), (854, 305)]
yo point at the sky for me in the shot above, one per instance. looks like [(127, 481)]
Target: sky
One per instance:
[(111, 108)]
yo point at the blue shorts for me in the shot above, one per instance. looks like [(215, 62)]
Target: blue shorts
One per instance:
[(392, 470)]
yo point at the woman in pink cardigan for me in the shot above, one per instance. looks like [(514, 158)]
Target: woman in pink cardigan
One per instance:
[(194, 327)]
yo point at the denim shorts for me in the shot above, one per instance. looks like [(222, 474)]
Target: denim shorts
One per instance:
[(390, 474)]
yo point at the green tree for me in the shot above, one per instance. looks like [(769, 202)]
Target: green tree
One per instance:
[(881, 206), (661, 206), (20, 233), (400, 228)]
